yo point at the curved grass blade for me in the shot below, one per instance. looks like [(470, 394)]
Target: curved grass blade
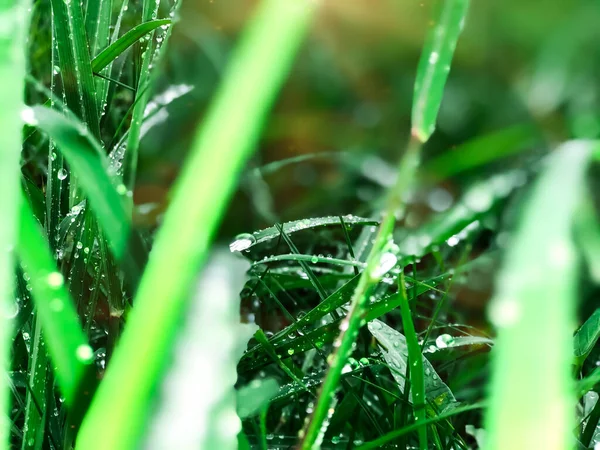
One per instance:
[(264, 57), (66, 342), (434, 66), (246, 241), (283, 342), (106, 196), (14, 17), (535, 305), (586, 337), (114, 50)]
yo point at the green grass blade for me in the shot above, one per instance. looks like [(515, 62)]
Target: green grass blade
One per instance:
[(263, 58), (66, 342), (380, 442), (586, 337), (482, 150), (191, 395), (415, 359), (34, 425), (378, 262), (534, 308), (74, 62), (150, 56), (12, 76), (87, 160), (246, 241), (434, 66), (114, 50)]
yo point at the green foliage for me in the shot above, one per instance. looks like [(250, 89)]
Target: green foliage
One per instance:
[(365, 284)]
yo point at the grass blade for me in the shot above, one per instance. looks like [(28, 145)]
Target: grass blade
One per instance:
[(114, 50), (246, 241), (66, 342), (535, 305), (586, 337), (74, 62), (12, 76), (191, 395), (86, 158), (264, 57), (415, 359), (434, 66)]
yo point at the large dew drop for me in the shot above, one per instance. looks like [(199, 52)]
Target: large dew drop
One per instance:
[(242, 242), (386, 263)]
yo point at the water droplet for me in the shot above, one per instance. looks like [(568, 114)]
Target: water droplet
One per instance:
[(433, 58), (242, 242), (314, 259), (387, 261), (62, 174), (444, 341), (290, 351)]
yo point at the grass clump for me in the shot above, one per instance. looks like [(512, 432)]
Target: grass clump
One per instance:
[(365, 300)]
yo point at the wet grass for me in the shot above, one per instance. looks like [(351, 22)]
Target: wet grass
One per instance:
[(355, 335)]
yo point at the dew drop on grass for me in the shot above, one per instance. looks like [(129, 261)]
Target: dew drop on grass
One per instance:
[(444, 341), (242, 242), (62, 174), (386, 263), (314, 259)]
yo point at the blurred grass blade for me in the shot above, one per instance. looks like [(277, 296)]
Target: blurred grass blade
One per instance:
[(263, 58), (12, 75), (434, 66), (114, 50), (195, 402), (534, 308), (66, 342), (482, 150), (586, 337), (415, 359)]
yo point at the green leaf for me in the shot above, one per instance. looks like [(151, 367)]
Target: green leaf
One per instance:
[(534, 304), (586, 337), (434, 66), (66, 342), (207, 181), (114, 50), (253, 397), (395, 352)]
